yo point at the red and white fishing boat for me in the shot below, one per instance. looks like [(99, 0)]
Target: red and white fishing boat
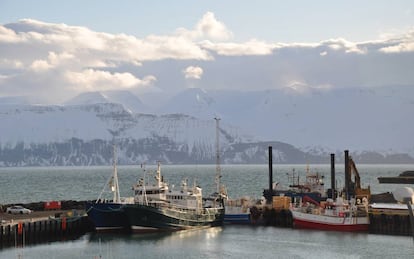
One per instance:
[(340, 215)]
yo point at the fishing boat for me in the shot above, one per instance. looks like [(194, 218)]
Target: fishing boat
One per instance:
[(107, 214), (347, 212), (238, 211), (156, 207), (339, 215), (313, 187)]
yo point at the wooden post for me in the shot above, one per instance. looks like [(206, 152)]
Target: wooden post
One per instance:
[(1, 236), (333, 187), (269, 201), (56, 228), (63, 226), (8, 233)]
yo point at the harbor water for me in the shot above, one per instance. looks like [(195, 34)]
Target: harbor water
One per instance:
[(24, 185)]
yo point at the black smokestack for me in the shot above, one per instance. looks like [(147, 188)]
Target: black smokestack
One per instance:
[(347, 174), (270, 172), (333, 176)]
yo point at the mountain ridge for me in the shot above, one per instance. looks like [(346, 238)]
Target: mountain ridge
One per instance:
[(73, 135)]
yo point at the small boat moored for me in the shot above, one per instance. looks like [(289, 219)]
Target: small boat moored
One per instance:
[(238, 211), (348, 212), (340, 215)]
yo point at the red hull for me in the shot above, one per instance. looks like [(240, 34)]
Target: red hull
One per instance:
[(315, 225)]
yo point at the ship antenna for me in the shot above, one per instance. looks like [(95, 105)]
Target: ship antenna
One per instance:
[(218, 168), (144, 190), (159, 178), (116, 185)]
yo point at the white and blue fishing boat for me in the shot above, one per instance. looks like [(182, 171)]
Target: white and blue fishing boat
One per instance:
[(238, 211), (158, 208)]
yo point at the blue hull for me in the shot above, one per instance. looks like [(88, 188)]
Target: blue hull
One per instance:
[(107, 216), (241, 218)]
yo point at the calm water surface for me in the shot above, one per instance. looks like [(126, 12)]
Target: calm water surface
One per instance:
[(82, 183), (225, 242)]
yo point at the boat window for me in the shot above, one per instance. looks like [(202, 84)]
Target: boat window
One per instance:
[(153, 192)]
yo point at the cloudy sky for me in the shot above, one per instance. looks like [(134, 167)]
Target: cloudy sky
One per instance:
[(54, 50)]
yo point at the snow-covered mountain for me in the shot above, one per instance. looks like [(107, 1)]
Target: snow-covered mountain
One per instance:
[(126, 98), (377, 119), (374, 123), (83, 134)]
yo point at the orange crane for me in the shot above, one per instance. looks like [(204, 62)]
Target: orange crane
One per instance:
[(359, 192)]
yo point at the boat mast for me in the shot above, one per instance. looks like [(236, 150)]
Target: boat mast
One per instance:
[(144, 190), (218, 168), (115, 189), (112, 182)]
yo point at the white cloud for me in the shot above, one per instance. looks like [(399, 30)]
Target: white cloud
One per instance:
[(8, 63), (252, 47), (97, 80), (54, 60), (211, 28), (207, 28), (193, 72), (3, 77), (90, 45), (38, 57), (402, 45), (168, 47), (40, 65), (8, 36), (57, 59), (298, 86), (342, 44)]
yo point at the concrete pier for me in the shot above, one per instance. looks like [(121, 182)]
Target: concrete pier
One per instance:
[(389, 219), (268, 216), (38, 231), (43, 224)]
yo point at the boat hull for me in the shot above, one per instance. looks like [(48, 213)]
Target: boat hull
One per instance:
[(322, 222), (242, 218), (397, 179), (144, 219), (107, 217)]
